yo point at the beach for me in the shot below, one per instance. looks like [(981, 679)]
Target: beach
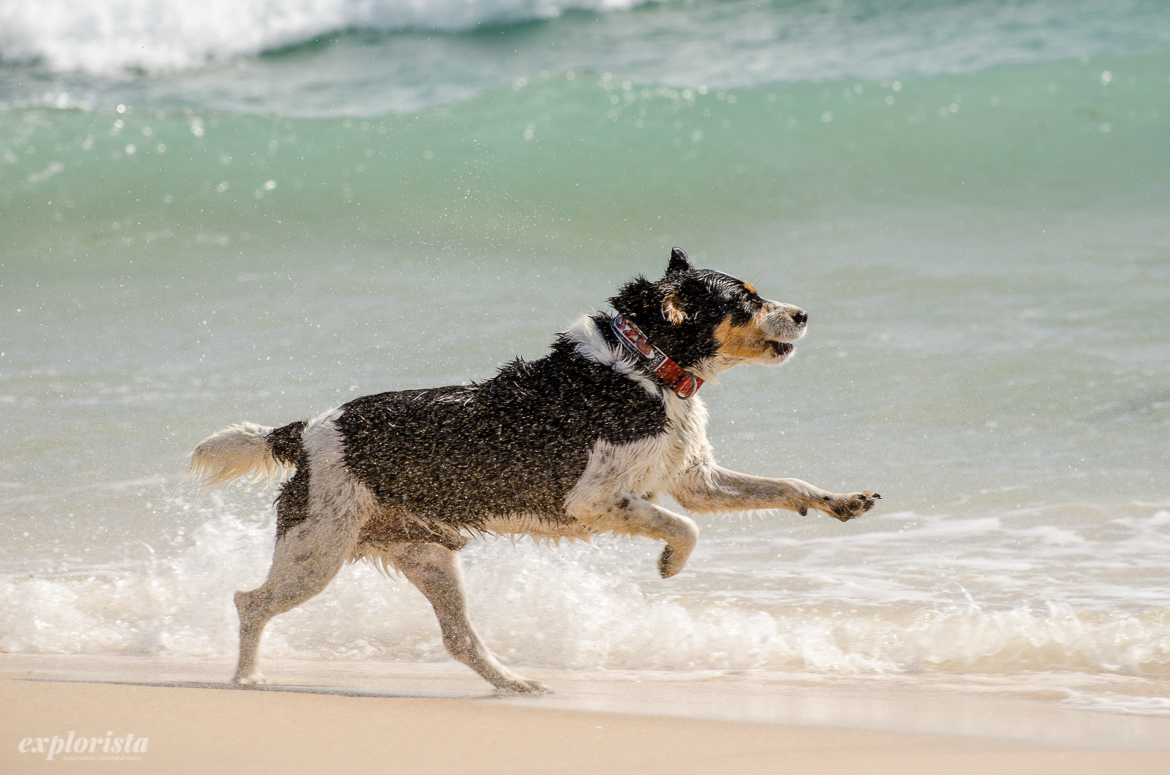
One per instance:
[(397, 719), (243, 215)]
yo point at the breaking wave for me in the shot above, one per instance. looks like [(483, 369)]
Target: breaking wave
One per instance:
[(104, 36), (568, 607)]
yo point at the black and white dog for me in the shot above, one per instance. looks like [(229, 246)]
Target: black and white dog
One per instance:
[(583, 441)]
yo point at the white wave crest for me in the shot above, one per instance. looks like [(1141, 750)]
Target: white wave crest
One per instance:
[(110, 36)]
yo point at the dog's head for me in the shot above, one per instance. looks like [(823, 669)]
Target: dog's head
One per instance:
[(708, 321)]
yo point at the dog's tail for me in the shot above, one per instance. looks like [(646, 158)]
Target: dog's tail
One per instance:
[(247, 448)]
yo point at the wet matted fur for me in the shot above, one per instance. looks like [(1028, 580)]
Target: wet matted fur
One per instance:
[(585, 440)]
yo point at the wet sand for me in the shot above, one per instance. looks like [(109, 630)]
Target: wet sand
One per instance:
[(438, 718)]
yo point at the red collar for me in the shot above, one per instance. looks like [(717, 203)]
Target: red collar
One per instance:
[(654, 360)]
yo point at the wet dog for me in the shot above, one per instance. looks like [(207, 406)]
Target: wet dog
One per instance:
[(583, 441)]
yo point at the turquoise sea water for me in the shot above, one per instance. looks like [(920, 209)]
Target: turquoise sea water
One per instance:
[(263, 212)]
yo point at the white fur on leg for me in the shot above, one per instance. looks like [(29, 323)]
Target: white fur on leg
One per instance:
[(435, 570), (251, 627), (707, 487), (616, 490), (306, 559), (310, 554)]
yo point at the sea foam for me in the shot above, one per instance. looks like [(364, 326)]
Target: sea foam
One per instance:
[(571, 606), (730, 44), (108, 36)]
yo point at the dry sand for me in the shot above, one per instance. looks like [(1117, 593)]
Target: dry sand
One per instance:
[(435, 719)]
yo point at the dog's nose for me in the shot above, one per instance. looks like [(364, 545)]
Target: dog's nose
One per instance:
[(800, 317)]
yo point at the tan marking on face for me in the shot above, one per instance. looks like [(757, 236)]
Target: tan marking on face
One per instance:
[(749, 287), (746, 341)]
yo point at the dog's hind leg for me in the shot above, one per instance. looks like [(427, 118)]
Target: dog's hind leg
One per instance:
[(436, 571), (319, 513), (306, 559)]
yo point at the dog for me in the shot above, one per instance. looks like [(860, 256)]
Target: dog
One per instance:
[(584, 441)]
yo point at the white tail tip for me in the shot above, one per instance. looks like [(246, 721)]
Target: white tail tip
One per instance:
[(238, 450)]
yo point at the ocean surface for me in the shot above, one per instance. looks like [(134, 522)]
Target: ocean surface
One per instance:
[(257, 210)]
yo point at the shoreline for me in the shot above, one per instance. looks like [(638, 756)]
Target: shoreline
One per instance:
[(440, 718)]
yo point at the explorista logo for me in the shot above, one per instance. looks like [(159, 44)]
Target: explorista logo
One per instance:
[(72, 747)]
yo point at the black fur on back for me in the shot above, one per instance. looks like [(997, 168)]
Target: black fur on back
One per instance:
[(516, 443)]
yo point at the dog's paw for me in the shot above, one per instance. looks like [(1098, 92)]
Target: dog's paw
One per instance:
[(678, 548), (671, 561), (525, 686), (846, 507), (255, 679)]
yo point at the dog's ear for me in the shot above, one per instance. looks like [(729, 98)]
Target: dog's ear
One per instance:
[(672, 309), (678, 262)]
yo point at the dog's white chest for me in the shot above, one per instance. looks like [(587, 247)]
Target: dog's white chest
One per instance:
[(645, 467), (685, 441)]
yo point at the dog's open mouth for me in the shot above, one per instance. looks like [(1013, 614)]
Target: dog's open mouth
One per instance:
[(782, 348)]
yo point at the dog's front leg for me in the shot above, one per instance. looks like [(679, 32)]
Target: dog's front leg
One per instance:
[(707, 487), (629, 515)]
